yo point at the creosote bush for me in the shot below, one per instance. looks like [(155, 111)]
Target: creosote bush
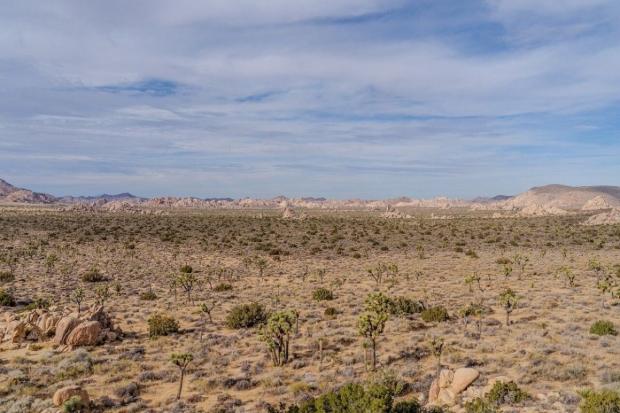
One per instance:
[(356, 398), (435, 314), (162, 325), (6, 276), (322, 294), (603, 328), (148, 296), (6, 299), (246, 316), (93, 276), (605, 401), (402, 306), (506, 393), (222, 287)]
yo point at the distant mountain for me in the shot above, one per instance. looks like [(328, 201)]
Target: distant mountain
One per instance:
[(10, 193), (496, 198), (567, 197), (125, 196)]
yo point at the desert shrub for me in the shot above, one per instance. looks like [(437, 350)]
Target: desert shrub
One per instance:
[(605, 401), (74, 405), (162, 325), (223, 287), (6, 276), (38, 303), (186, 269), (93, 276), (480, 405), (356, 398), (506, 393), (322, 294), (246, 316), (148, 296), (503, 261), (401, 306), (435, 314), (6, 299), (603, 328), (330, 312)]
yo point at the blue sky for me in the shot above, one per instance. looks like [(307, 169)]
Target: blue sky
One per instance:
[(346, 98)]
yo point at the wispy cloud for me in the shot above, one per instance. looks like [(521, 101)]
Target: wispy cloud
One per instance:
[(351, 98)]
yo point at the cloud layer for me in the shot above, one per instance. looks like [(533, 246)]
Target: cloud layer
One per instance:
[(370, 98)]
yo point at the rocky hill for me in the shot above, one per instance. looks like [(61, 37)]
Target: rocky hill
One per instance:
[(10, 193), (568, 197)]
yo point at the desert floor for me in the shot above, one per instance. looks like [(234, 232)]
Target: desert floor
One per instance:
[(547, 350)]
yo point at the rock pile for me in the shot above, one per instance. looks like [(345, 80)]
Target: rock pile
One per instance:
[(87, 329), (450, 384)]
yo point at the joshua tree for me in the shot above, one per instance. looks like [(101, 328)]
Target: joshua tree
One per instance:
[(77, 296), (205, 310), (377, 273), (568, 275), (521, 262), (471, 279), (261, 264), (371, 323), (102, 293), (181, 360), (277, 334), (187, 280), (436, 344), (50, 262), (595, 265), (508, 299)]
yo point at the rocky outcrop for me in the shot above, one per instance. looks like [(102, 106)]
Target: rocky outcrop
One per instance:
[(64, 394), (606, 218), (450, 384), (87, 333), (64, 328), (596, 203)]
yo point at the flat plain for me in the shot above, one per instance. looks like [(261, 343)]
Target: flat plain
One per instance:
[(445, 281)]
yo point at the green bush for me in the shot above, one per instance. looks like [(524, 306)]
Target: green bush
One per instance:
[(506, 393), (6, 276), (330, 312), (6, 299), (148, 296), (186, 269), (93, 276), (162, 325), (222, 287), (246, 316), (605, 401), (74, 405), (357, 398), (38, 303), (435, 314), (603, 328), (322, 294), (479, 405), (401, 306)]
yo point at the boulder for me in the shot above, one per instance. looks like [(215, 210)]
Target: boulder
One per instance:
[(64, 328), (16, 331), (462, 378), (446, 397), (433, 392), (84, 334), (445, 378), (64, 394)]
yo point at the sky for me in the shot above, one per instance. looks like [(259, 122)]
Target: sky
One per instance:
[(340, 98)]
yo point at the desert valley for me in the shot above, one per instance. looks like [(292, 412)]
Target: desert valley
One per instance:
[(125, 304)]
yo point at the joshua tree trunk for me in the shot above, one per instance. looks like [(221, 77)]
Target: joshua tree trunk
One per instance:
[(507, 318), (373, 344), (181, 384)]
